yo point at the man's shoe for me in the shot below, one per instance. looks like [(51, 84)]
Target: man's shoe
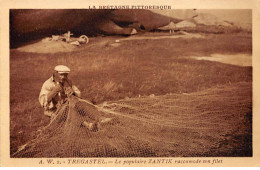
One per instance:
[(90, 126)]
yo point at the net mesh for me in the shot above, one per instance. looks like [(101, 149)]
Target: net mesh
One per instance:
[(170, 125), (65, 136)]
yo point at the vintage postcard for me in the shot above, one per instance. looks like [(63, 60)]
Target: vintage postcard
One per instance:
[(130, 83)]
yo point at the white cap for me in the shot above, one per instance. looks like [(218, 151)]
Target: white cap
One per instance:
[(62, 69)]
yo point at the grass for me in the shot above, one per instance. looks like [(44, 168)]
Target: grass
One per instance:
[(104, 73)]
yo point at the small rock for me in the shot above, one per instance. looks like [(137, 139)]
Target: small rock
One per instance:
[(55, 37), (115, 44), (152, 95), (75, 43)]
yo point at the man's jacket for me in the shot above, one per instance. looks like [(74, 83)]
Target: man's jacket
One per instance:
[(58, 99)]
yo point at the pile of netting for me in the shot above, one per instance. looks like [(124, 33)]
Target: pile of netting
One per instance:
[(66, 136), (213, 122)]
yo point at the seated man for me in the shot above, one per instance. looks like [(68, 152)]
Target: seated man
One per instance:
[(56, 89), (55, 92)]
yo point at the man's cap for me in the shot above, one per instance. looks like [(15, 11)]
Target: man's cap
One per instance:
[(62, 69)]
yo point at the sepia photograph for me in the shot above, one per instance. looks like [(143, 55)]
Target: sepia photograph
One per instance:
[(124, 85), (130, 83)]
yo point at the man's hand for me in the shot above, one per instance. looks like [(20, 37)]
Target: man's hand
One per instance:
[(54, 91), (68, 91), (68, 87), (57, 88)]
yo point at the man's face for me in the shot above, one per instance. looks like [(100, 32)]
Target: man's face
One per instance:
[(63, 77)]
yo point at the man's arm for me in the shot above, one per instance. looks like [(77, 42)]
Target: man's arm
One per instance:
[(43, 95), (47, 93), (76, 91), (53, 92)]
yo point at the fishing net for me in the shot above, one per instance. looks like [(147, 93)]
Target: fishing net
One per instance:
[(66, 136), (195, 124)]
